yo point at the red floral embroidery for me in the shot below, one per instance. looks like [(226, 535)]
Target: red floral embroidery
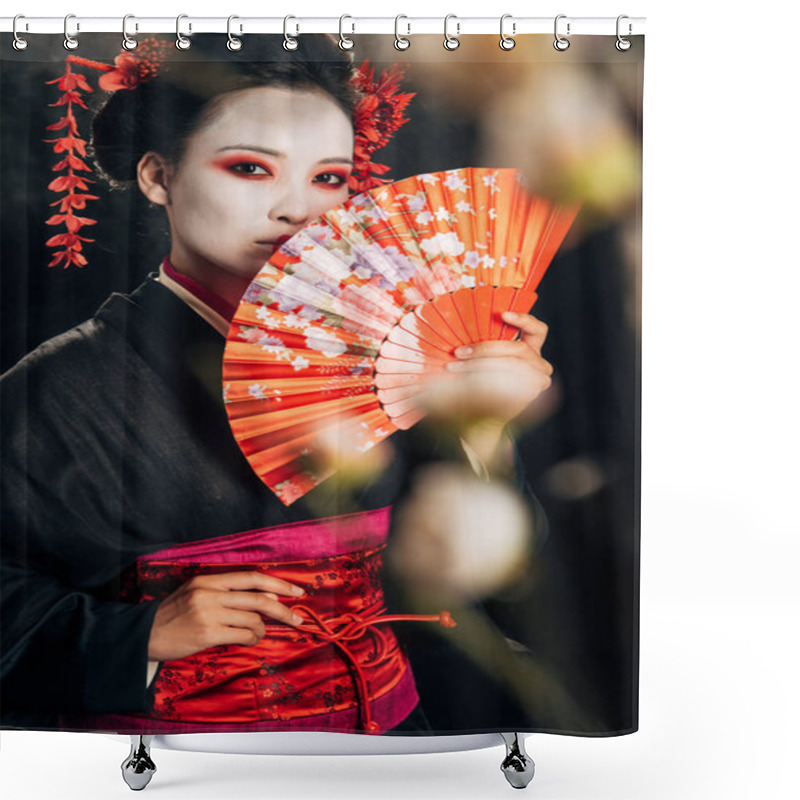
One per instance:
[(342, 656)]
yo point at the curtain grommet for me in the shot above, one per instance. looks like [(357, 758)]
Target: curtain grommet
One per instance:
[(70, 42), (129, 42), (622, 44), (451, 42), (233, 44), (344, 42), (561, 43), (506, 42), (19, 43), (400, 42), (289, 42), (181, 41)]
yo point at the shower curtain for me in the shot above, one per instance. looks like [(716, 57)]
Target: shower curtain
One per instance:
[(441, 595)]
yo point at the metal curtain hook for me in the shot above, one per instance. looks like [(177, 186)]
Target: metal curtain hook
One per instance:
[(19, 42), (506, 42), (181, 42), (233, 42), (128, 42), (344, 42), (401, 43), (288, 42), (70, 42), (623, 44), (451, 42), (560, 43)]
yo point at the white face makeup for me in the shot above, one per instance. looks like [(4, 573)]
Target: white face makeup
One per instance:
[(272, 160)]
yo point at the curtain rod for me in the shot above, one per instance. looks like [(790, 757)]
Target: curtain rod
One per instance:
[(406, 26)]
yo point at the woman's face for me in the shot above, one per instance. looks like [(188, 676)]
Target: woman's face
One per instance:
[(271, 160)]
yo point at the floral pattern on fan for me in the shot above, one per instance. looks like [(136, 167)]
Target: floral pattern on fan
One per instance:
[(337, 332)]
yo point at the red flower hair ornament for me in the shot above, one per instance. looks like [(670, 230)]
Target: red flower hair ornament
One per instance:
[(376, 118)]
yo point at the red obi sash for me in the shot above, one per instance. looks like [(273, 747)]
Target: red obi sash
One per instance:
[(344, 656)]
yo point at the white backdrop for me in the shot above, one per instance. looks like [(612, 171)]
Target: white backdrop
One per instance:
[(720, 600)]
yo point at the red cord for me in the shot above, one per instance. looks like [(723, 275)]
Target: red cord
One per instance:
[(353, 626)]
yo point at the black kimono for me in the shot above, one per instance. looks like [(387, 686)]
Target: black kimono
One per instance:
[(116, 444)]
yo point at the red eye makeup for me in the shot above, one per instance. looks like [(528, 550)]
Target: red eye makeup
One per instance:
[(341, 177), (246, 166), (243, 166)]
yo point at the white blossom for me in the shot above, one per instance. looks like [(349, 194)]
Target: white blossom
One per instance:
[(265, 315), (257, 390), (300, 363), (272, 344), (318, 233), (443, 213), (471, 259), (291, 320), (325, 342), (445, 243), (455, 182), (416, 202)]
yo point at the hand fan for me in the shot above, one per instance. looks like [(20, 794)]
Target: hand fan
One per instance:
[(349, 316)]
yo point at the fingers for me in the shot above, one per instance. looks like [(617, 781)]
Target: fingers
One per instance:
[(241, 636), (490, 358), (241, 627), (532, 335), (213, 610), (493, 348), (261, 604), (495, 388), (249, 628), (248, 581), (533, 331), (246, 597)]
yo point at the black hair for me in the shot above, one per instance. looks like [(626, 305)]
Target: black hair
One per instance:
[(162, 113)]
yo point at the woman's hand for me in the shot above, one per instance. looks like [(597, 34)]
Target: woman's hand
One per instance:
[(213, 610), (491, 383), (502, 378)]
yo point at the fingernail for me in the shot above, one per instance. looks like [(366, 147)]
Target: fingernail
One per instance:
[(463, 352), (296, 619), (296, 590)]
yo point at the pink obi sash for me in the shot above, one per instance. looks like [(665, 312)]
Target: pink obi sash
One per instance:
[(342, 669)]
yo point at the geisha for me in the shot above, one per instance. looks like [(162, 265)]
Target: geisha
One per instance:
[(151, 582)]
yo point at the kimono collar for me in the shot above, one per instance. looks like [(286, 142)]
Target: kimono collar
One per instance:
[(216, 311)]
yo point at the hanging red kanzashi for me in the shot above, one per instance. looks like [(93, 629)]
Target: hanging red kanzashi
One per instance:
[(376, 118)]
